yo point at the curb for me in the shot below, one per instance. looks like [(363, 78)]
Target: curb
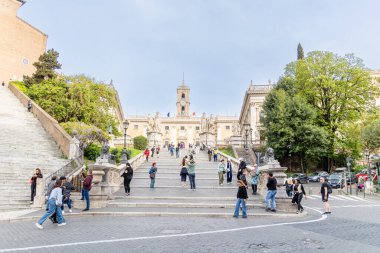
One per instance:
[(157, 214)]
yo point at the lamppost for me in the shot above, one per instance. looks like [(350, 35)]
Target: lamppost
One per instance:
[(124, 158), (366, 153), (246, 129), (349, 160), (290, 156)]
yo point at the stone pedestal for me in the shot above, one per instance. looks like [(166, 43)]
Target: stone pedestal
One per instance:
[(236, 140), (208, 138), (282, 200), (106, 181), (154, 138)]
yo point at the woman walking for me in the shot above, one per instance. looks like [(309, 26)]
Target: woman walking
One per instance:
[(128, 175), (152, 175), (221, 171), (242, 197), (289, 187), (33, 184), (54, 202), (184, 171), (299, 192), (254, 181), (229, 171), (191, 173)]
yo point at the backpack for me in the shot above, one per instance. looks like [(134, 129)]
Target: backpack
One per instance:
[(329, 188)]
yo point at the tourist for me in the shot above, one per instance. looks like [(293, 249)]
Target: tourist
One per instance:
[(128, 175), (215, 154), (209, 152), (242, 165), (152, 175), (299, 192), (29, 106), (87, 184), (191, 172), (326, 190), (254, 180), (242, 197), (171, 149), (67, 188), (177, 151), (3, 84), (221, 171), (229, 171), (158, 151), (184, 171), (289, 187), (82, 178), (54, 202), (271, 194), (146, 153), (33, 184), (153, 149)]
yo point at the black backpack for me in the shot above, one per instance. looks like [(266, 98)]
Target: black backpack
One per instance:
[(329, 188)]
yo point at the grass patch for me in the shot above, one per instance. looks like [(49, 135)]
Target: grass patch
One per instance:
[(228, 151), (134, 152)]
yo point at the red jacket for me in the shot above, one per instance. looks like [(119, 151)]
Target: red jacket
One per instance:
[(146, 152), (87, 183)]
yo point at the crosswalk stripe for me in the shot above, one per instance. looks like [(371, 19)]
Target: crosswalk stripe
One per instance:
[(361, 199), (317, 196), (348, 198), (334, 197), (310, 197)]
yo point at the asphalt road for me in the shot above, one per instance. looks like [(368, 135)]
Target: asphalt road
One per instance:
[(353, 226)]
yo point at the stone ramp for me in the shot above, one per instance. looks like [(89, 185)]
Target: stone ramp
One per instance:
[(170, 198), (24, 146)]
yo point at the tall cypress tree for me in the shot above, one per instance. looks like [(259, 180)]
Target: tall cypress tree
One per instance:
[(300, 54)]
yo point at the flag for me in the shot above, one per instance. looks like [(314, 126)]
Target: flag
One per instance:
[(168, 114)]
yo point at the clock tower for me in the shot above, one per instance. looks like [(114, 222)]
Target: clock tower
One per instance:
[(183, 100)]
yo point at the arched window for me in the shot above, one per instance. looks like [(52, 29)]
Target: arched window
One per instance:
[(183, 96)]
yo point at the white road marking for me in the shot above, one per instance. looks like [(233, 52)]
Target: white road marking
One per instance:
[(361, 199), (323, 217), (334, 197), (310, 197), (348, 198), (355, 206)]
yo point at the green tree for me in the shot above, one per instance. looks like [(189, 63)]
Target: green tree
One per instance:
[(371, 135), (300, 54), (290, 120), (140, 142), (45, 68), (338, 88)]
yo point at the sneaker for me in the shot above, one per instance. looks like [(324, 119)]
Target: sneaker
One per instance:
[(244, 217), (86, 209), (39, 226), (301, 210), (273, 210), (63, 212), (82, 199), (62, 224), (267, 209), (297, 212), (70, 211), (235, 216)]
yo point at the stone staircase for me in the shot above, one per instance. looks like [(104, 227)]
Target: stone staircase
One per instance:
[(24, 146), (170, 198)]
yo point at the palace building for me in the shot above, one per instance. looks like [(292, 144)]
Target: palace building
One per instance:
[(184, 127), (21, 44)]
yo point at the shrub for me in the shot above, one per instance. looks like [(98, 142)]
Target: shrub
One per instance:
[(21, 86), (92, 151), (140, 142)]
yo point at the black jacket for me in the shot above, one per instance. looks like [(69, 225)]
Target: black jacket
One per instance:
[(242, 192), (272, 184), (128, 174)]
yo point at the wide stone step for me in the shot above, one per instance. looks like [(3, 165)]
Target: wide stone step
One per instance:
[(182, 205)]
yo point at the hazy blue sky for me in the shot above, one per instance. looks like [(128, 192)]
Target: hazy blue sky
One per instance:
[(146, 45)]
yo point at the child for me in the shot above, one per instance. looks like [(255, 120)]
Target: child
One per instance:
[(242, 197), (152, 175)]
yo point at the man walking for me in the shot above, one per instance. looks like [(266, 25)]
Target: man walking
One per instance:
[(325, 191), (271, 194), (87, 184)]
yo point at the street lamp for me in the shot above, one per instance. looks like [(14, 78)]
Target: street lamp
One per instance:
[(349, 160), (290, 156), (124, 157), (246, 127), (366, 153)]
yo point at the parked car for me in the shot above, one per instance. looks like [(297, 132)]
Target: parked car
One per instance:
[(336, 180), (302, 177), (351, 178), (317, 175)]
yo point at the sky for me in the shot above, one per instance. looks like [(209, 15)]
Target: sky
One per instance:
[(145, 46)]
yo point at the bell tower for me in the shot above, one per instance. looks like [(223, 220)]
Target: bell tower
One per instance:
[(183, 100)]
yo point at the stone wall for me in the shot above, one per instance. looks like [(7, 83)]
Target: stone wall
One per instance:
[(50, 125), (20, 43)]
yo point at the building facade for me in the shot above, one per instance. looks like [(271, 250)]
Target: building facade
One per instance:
[(21, 44), (183, 127), (375, 75)]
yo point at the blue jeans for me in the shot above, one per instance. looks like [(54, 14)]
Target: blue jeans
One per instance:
[(229, 176), (243, 207), (52, 208), (152, 181), (192, 180), (86, 194), (68, 202), (271, 197)]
